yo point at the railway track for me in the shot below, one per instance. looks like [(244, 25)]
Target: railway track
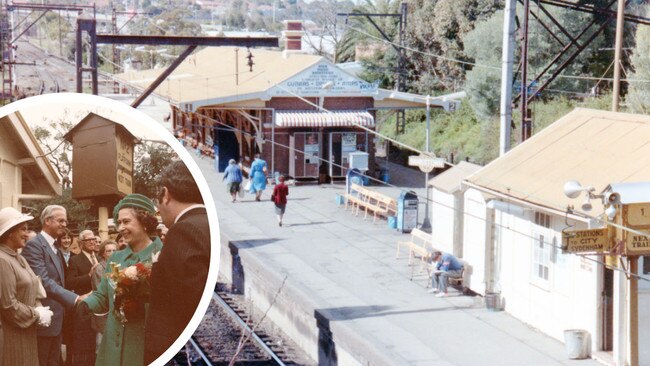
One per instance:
[(216, 340)]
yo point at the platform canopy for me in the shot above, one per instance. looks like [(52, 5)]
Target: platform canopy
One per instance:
[(324, 119)]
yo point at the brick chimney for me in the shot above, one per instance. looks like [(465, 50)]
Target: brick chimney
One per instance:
[(293, 35)]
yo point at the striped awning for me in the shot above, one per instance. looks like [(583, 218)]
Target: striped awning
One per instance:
[(324, 119)]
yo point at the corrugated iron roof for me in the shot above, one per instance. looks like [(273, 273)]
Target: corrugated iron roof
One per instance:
[(208, 77), (450, 180), (324, 119), (593, 147), (210, 73)]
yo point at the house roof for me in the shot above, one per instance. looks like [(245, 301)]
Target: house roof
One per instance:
[(220, 75), (450, 180), (594, 147), (39, 177), (92, 116)]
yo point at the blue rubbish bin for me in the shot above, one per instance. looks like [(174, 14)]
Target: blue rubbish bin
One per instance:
[(385, 176), (340, 199), (407, 211), (353, 176)]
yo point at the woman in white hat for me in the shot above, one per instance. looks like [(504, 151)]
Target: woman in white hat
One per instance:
[(20, 293)]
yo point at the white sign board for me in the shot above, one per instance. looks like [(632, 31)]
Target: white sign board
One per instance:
[(324, 79), (426, 163)]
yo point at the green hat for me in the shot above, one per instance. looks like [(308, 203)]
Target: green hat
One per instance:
[(136, 201)]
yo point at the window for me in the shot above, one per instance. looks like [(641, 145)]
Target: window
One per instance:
[(541, 258), (543, 252), (543, 219), (646, 265)]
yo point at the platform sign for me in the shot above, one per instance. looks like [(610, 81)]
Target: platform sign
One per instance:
[(637, 244), (638, 215), (585, 241), (426, 163)]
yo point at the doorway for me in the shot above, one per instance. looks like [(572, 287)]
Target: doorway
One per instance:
[(227, 147), (607, 340)]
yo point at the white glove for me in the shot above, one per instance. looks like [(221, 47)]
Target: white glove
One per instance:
[(44, 315)]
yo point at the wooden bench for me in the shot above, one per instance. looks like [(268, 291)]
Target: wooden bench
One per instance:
[(420, 247), (371, 201)]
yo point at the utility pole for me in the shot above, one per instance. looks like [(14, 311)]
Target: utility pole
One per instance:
[(507, 61), (526, 123), (400, 78), (632, 260), (620, 25)]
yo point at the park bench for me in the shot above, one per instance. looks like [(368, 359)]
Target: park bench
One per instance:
[(371, 201), (420, 247)]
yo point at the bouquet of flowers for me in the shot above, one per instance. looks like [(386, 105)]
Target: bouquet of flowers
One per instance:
[(132, 290)]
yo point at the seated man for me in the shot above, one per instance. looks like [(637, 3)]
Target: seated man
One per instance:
[(446, 266)]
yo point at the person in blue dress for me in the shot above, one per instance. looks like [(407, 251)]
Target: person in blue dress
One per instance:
[(258, 177)]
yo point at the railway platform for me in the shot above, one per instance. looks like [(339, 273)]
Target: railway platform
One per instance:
[(331, 282)]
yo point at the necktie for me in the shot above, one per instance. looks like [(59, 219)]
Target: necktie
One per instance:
[(93, 260)]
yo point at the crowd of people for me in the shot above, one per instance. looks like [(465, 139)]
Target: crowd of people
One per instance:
[(118, 302)]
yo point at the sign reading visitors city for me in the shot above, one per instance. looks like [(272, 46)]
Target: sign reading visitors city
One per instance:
[(102, 159), (585, 241)]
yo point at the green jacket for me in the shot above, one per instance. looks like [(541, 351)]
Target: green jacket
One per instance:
[(122, 345)]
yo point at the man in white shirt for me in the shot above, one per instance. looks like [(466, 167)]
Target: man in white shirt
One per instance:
[(47, 263)]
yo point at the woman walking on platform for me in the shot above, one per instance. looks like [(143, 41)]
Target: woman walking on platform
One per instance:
[(233, 177), (258, 177), (279, 197)]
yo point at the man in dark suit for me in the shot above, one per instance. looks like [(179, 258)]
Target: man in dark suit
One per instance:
[(47, 263), (179, 275), (82, 266), (79, 280)]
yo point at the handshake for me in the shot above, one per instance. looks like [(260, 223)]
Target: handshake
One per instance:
[(44, 315)]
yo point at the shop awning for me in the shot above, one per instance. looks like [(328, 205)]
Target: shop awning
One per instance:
[(324, 119)]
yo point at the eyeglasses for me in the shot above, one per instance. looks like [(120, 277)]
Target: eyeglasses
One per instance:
[(91, 239)]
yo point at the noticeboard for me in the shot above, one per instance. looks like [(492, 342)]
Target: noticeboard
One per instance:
[(124, 162), (637, 244), (636, 216), (586, 241)]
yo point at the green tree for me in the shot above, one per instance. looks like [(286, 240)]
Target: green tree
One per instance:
[(483, 81), (78, 212), (638, 97), (437, 28), (150, 160)]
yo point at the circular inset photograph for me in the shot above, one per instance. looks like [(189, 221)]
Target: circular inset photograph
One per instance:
[(109, 238)]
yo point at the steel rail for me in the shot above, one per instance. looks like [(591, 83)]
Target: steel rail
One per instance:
[(198, 349), (248, 329)]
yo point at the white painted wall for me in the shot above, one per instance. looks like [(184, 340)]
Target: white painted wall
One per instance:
[(474, 238), (570, 297), (442, 220)]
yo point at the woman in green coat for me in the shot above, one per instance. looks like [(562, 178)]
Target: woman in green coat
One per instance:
[(123, 339)]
